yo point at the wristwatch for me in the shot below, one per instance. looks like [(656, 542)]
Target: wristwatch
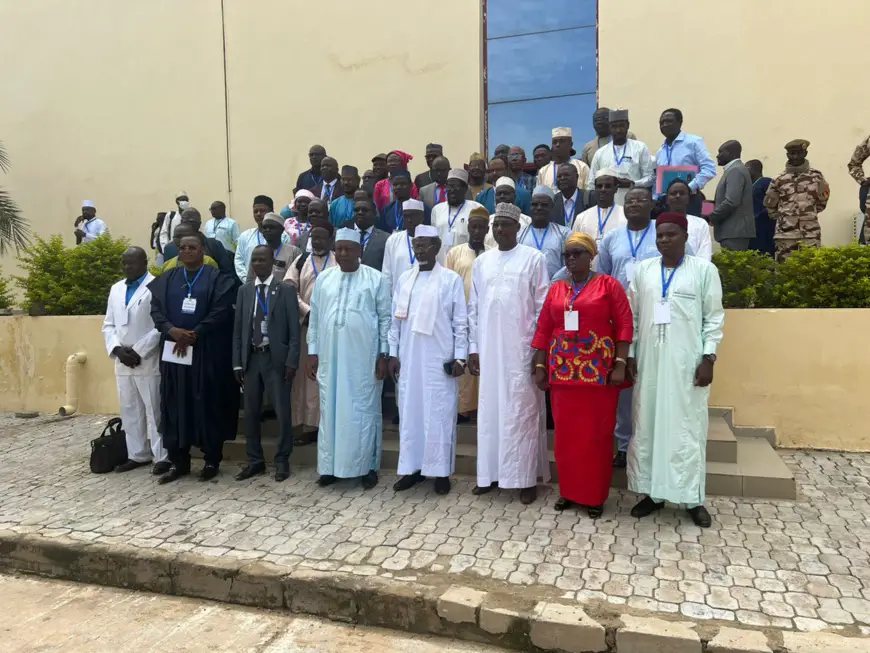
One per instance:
[(710, 357), (461, 362)]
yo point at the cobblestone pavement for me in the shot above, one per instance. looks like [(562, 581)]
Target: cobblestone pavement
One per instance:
[(803, 564)]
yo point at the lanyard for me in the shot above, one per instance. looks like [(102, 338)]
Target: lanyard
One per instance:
[(411, 255), (328, 190), (555, 168), (302, 227), (278, 251), (259, 238), (265, 306), (400, 217), (602, 225), (667, 284), (452, 221), (323, 267), (569, 212), (577, 291), (543, 240), (669, 149), (190, 283), (85, 226), (619, 159), (634, 248), (364, 239)]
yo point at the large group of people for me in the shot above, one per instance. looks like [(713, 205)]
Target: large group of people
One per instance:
[(580, 287)]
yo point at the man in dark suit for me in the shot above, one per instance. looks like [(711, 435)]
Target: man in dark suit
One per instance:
[(733, 219), (311, 177), (436, 192), (568, 196), (265, 359), (764, 226), (372, 239), (329, 187), (433, 151), (393, 218)]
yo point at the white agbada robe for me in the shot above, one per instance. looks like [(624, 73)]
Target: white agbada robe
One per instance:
[(548, 174), (507, 293), (131, 325), (428, 397), (398, 257), (632, 161), (667, 456), (489, 240), (452, 225)]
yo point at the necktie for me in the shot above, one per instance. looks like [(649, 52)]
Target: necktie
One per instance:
[(259, 317)]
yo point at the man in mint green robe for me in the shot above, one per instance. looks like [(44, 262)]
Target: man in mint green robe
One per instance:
[(347, 345), (678, 318)]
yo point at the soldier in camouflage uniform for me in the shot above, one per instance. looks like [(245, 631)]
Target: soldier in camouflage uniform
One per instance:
[(856, 169), (794, 200)]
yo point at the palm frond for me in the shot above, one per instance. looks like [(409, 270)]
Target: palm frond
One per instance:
[(14, 229), (4, 158)]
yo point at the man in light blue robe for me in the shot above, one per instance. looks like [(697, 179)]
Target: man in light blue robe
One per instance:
[(348, 328), (678, 319)]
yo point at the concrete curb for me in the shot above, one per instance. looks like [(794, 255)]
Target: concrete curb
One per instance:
[(503, 618)]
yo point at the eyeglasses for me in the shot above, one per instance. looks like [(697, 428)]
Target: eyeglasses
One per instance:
[(575, 254), (188, 248), (515, 156)]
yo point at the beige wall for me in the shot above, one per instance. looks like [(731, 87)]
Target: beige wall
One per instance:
[(123, 102), (761, 72), (789, 369), (781, 369)]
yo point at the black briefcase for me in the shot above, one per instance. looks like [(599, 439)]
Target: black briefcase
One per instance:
[(110, 449)]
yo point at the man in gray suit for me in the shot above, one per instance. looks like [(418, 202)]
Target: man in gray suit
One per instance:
[(372, 239), (733, 219), (265, 359), (436, 192)]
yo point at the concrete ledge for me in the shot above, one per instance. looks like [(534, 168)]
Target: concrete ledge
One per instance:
[(528, 621)]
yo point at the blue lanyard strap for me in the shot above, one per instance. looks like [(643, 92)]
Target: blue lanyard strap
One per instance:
[(601, 225), (265, 306), (400, 217), (452, 221), (540, 244), (278, 251), (669, 149), (364, 239), (577, 290), (667, 283), (259, 237), (411, 255), (190, 284), (634, 248), (619, 159), (325, 263)]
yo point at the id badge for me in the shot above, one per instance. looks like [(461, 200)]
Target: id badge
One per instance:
[(264, 327), (662, 312), (572, 321), (448, 240), (629, 271), (188, 305)]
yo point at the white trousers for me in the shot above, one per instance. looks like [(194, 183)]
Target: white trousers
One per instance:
[(139, 397)]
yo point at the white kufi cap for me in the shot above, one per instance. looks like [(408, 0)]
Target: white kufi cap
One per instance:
[(505, 181), (561, 132), (88, 204), (458, 173), (606, 172), (351, 235), (413, 205), (426, 231)]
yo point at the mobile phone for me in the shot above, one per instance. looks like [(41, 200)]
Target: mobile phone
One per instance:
[(448, 367)]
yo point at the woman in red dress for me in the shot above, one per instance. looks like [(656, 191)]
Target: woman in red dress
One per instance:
[(584, 331)]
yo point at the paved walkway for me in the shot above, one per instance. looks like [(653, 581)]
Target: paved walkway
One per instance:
[(803, 564)]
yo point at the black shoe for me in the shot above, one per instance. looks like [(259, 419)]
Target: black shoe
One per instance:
[(326, 479), (463, 419), (250, 471), (408, 481), (442, 485), (594, 512), (129, 466), (173, 474), (161, 468), (619, 461), (646, 507), (395, 419), (700, 516), (208, 472), (267, 414), (370, 480), (485, 489), (563, 504), (528, 495), (282, 472)]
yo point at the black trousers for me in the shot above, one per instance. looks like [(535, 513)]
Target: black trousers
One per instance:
[(261, 376), (212, 452)]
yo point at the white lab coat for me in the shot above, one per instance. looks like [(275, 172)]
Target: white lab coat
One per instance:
[(170, 222), (138, 387)]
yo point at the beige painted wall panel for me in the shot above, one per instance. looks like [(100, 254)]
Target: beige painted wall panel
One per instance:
[(121, 103), (357, 77), (761, 72), (788, 369)]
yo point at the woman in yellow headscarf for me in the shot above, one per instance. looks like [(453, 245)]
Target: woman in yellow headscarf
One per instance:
[(584, 331)]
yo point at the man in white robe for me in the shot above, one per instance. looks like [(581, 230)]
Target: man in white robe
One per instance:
[(562, 151), (398, 251), (428, 348), (133, 342), (678, 318), (508, 288), (630, 159), (347, 355), (451, 217)]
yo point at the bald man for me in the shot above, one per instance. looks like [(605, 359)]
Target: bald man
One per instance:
[(733, 219), (133, 343)]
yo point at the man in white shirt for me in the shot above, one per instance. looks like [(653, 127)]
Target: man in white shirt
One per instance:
[(223, 229), (606, 215), (562, 151), (399, 251), (171, 219), (133, 341), (88, 226), (253, 237), (505, 193), (451, 217), (630, 159)]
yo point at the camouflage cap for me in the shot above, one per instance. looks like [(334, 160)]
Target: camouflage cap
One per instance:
[(798, 142)]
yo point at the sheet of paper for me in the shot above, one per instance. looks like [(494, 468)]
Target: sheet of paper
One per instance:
[(170, 356)]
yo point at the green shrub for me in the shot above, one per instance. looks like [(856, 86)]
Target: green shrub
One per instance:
[(6, 299), (70, 280), (812, 277), (747, 278)]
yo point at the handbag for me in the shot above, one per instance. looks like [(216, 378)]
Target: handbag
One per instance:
[(110, 449)]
